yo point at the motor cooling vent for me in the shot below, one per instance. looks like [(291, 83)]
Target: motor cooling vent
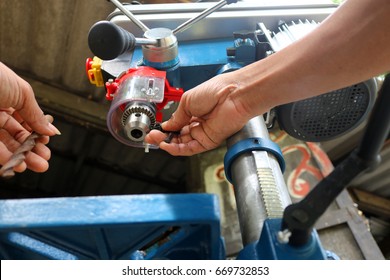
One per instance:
[(326, 116)]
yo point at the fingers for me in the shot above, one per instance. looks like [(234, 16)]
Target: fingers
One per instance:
[(191, 140), (180, 117), (29, 110), (19, 115), (179, 145), (12, 134), (176, 147), (201, 119), (20, 120), (18, 94), (12, 126), (196, 102), (17, 128), (5, 154), (155, 137), (36, 161)]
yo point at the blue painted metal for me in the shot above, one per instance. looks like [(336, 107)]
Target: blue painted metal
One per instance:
[(332, 256), (245, 50), (195, 53), (162, 65), (112, 227), (229, 67), (199, 61), (249, 145), (269, 248)]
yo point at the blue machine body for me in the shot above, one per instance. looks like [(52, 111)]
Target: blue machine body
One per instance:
[(270, 248), (248, 145), (199, 61), (112, 227)]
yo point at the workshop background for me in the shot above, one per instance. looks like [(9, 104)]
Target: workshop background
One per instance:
[(46, 43)]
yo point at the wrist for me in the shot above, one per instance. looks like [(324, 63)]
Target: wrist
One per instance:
[(255, 92)]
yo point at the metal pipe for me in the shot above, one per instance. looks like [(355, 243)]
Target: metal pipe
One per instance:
[(129, 15), (378, 127), (199, 17), (145, 41), (259, 186)]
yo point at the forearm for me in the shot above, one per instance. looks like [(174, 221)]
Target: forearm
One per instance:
[(352, 45)]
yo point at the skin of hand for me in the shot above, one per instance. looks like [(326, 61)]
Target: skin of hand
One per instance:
[(350, 46), (204, 120), (20, 114)]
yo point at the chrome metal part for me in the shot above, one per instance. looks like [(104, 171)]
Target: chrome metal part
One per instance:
[(137, 120), (240, 16), (145, 41), (165, 48), (259, 185), (268, 186), (288, 33), (199, 17), (129, 15)]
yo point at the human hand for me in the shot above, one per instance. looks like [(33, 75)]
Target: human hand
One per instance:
[(19, 116), (205, 117)]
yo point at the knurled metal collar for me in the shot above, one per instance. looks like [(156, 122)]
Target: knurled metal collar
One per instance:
[(249, 145)]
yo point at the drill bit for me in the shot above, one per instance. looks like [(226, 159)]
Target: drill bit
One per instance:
[(7, 170)]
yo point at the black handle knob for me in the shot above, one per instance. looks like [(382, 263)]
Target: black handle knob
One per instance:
[(107, 40)]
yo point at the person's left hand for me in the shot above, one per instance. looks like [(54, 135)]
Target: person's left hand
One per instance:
[(19, 116)]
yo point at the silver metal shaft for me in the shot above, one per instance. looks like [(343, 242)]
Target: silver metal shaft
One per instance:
[(145, 41), (199, 17), (129, 15), (259, 186)]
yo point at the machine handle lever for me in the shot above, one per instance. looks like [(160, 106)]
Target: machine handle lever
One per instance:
[(129, 15), (107, 40), (202, 15)]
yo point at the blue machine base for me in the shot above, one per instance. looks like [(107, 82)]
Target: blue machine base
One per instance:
[(269, 248), (183, 226)]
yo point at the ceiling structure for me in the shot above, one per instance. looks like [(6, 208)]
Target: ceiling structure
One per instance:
[(46, 43)]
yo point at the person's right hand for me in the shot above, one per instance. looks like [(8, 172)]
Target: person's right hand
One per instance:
[(205, 117)]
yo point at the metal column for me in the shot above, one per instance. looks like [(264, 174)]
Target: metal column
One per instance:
[(259, 185)]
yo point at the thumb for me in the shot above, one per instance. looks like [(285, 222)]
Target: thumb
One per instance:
[(180, 117), (30, 111), (199, 102)]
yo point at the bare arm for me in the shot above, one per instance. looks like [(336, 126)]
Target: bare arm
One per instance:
[(350, 46)]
